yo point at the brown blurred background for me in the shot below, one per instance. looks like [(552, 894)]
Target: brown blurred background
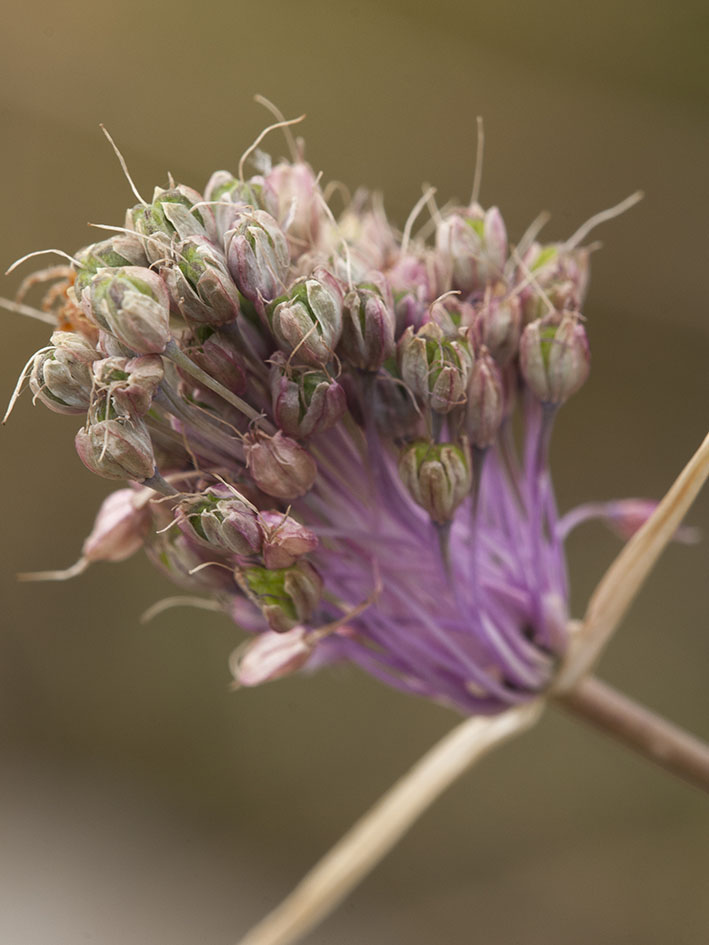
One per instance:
[(142, 802)]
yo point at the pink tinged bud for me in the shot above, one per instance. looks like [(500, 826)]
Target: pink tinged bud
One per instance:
[(308, 320), (485, 409), (61, 377), (120, 526), (498, 324), (475, 244), (436, 369), (189, 563), (287, 597), (257, 255), (133, 305), (270, 656), (228, 196), (117, 449), (130, 383), (555, 357), (560, 277), (279, 466), (292, 194), (305, 401), (217, 354), (438, 476), (223, 519), (200, 285), (368, 329), (284, 540)]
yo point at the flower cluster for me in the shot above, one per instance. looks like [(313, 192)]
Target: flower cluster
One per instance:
[(337, 432)]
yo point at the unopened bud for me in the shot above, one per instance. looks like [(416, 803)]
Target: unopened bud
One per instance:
[(227, 196), (560, 276), (124, 249), (284, 540), (174, 214), (279, 466), (200, 285), (305, 400), (438, 476), (270, 656), (308, 319), (498, 323), (117, 448), (436, 369), (120, 526), (368, 328), (475, 243), (555, 357), (222, 518), (133, 305), (257, 255), (287, 597), (130, 383), (61, 377), (292, 194), (485, 408)]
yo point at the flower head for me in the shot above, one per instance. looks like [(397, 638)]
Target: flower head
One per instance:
[(350, 430)]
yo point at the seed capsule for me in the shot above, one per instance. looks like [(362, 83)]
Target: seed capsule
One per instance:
[(133, 305), (308, 319), (305, 400), (435, 368), (257, 255), (368, 328)]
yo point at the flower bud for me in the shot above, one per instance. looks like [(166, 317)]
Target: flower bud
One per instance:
[(368, 328), (438, 476), (227, 196), (61, 377), (133, 305), (435, 368), (309, 318), (415, 280), (124, 249), (173, 215), (257, 255), (287, 597), (560, 277), (485, 408), (555, 357), (270, 656), (117, 448), (498, 324), (189, 563), (292, 194), (284, 540), (222, 518), (305, 400), (130, 383), (217, 354), (120, 526), (200, 285), (475, 244), (279, 466)]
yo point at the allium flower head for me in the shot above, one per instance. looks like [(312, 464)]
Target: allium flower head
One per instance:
[(346, 429)]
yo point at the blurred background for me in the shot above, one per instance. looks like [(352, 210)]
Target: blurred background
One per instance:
[(140, 800)]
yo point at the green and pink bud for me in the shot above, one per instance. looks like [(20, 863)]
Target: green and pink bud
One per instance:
[(115, 447), (130, 383), (173, 216), (368, 325), (257, 255), (305, 400), (224, 519), (131, 304), (474, 243), (485, 408), (286, 597), (438, 476), (554, 356), (435, 368), (200, 285), (307, 320), (61, 376)]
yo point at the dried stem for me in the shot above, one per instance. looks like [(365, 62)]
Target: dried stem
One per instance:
[(640, 729), (371, 838)]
